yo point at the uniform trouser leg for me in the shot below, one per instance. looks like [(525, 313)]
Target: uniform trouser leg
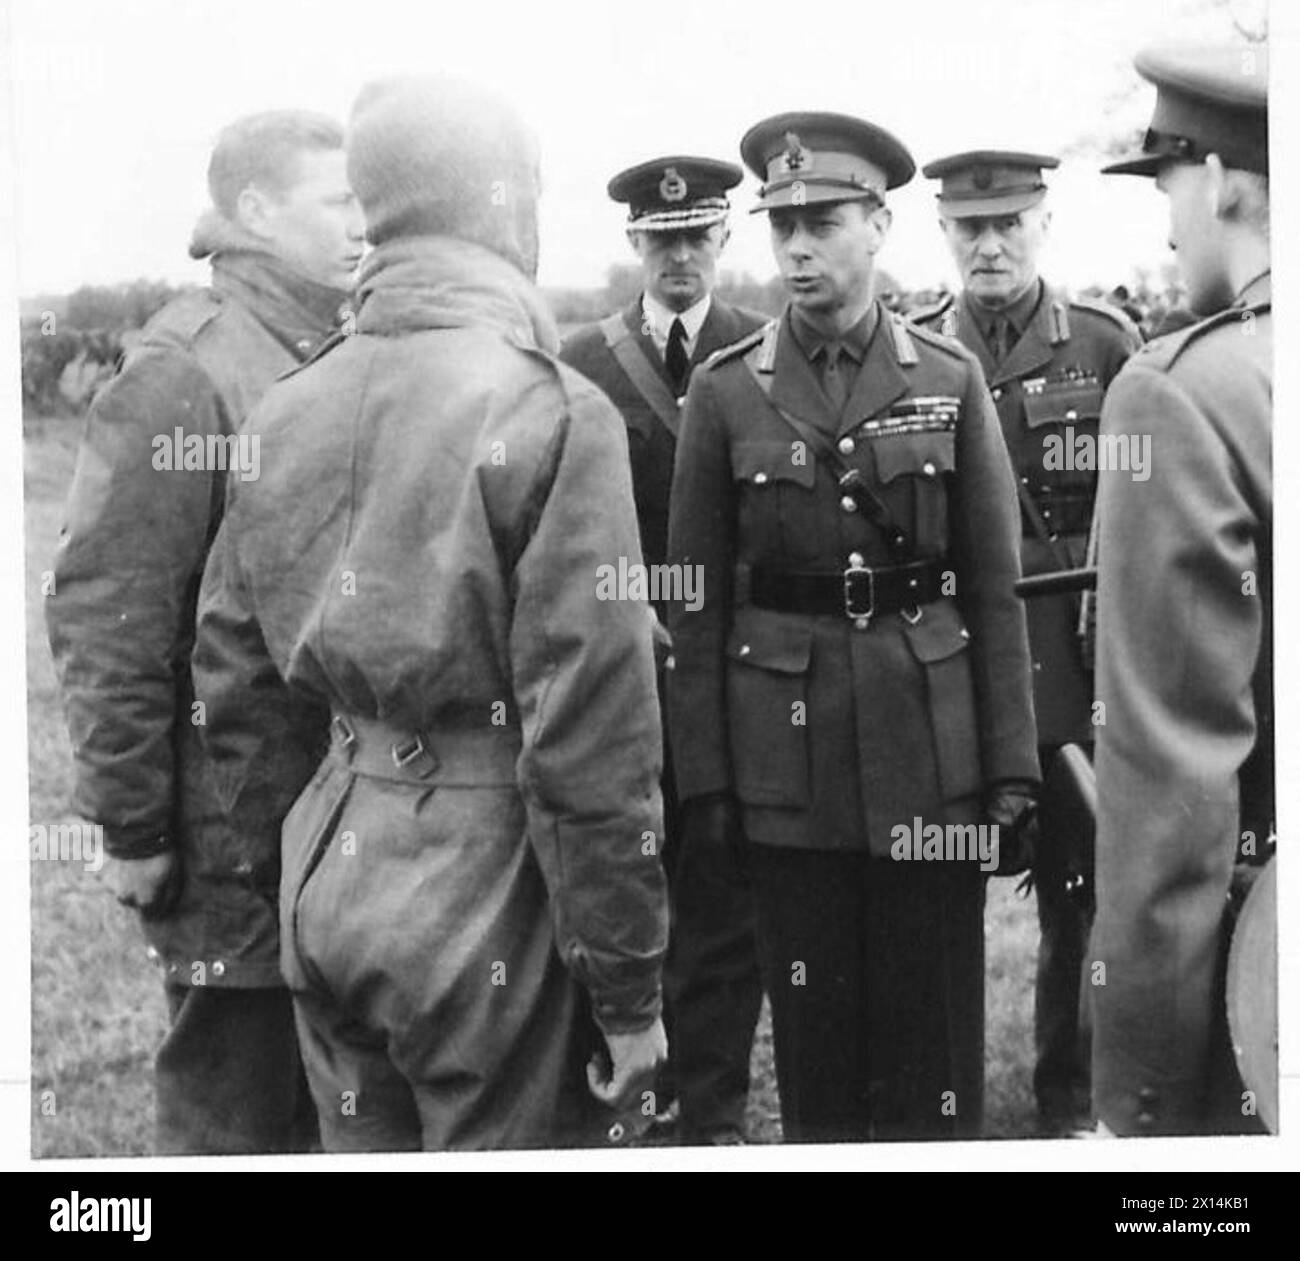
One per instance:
[(875, 973), (433, 1008), (228, 1078), (1062, 1030), (713, 988)]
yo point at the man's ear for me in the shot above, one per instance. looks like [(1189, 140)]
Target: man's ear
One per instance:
[(1045, 220), (253, 211), (1222, 192), (724, 235), (634, 239)]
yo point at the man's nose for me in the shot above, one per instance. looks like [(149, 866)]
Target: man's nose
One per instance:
[(679, 249), (797, 244), (988, 243)]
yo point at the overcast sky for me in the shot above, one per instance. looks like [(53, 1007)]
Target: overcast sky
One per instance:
[(116, 105)]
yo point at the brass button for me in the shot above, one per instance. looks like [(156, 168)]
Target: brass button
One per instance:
[(861, 623), (997, 395), (759, 478), (848, 503), (912, 584), (1072, 414), (965, 634), (218, 968), (670, 663), (856, 560), (744, 650), (928, 468), (151, 952), (846, 446)]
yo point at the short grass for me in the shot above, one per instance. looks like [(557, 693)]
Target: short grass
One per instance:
[(97, 1005)]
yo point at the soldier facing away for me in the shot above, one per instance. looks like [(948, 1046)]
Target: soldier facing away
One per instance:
[(859, 667), (284, 235), (643, 357), (1184, 619), (1048, 360), (472, 898)]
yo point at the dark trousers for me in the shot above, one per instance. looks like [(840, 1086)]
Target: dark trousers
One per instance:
[(228, 1078), (713, 990), (875, 973), (1062, 1028)]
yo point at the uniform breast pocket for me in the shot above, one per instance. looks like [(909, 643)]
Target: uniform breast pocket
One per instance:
[(941, 645), (768, 656), (1055, 418), (914, 471), (774, 481)]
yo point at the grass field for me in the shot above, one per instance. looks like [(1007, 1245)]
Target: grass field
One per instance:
[(97, 1005)]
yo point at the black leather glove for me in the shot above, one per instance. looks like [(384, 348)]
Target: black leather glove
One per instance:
[(1013, 807), (713, 820)]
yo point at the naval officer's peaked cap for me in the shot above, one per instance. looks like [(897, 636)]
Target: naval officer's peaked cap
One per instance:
[(1209, 99)]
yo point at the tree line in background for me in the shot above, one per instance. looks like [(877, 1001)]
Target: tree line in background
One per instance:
[(71, 344)]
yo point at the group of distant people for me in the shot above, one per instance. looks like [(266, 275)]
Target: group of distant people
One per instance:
[(437, 845)]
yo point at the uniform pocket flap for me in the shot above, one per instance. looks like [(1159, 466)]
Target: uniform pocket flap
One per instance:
[(917, 454), (765, 462), (771, 642), (1063, 404), (938, 634)]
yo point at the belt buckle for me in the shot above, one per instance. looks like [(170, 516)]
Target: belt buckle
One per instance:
[(852, 585)]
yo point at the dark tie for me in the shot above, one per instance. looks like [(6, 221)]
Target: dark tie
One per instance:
[(833, 379), (1000, 338), (675, 360)]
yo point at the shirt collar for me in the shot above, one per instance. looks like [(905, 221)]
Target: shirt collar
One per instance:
[(661, 317), (1018, 314), (853, 343)]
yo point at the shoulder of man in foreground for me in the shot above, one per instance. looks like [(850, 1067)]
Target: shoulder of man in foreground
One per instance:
[(1199, 357), (931, 313)]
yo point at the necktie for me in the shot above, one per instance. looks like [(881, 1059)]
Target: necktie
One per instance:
[(833, 379), (675, 359), (1000, 338)]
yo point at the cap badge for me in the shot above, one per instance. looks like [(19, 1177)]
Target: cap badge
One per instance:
[(672, 187), (982, 178), (796, 156)]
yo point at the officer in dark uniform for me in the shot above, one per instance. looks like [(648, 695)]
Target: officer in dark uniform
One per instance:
[(642, 357), (1184, 629), (1049, 360), (858, 673)]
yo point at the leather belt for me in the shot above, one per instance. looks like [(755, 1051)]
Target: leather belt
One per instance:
[(468, 757), (856, 592)]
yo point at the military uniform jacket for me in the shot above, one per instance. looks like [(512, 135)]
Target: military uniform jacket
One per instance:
[(831, 735), (121, 617), (1184, 759), (646, 401), (423, 549), (1048, 392)]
